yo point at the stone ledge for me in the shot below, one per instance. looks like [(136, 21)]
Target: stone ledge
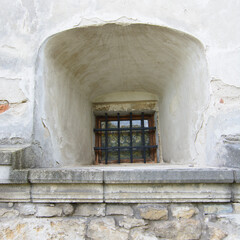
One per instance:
[(131, 175), (169, 176), (65, 176), (15, 193), (119, 193), (122, 185), (167, 193), (61, 193), (16, 177), (121, 175)]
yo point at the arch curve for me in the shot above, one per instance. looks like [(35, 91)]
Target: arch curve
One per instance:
[(80, 65)]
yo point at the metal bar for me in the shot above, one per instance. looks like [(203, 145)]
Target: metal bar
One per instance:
[(143, 138), (116, 148), (131, 152), (124, 129), (106, 139), (118, 119)]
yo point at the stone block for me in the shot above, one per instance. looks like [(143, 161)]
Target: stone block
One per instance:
[(216, 233), (68, 209), (181, 211), (62, 193), (87, 210), (189, 229), (26, 209), (119, 209), (18, 157), (104, 228), (236, 207), (217, 208), (15, 193), (65, 176), (42, 228), (18, 176), (230, 152), (48, 211), (164, 193), (5, 157), (10, 155), (193, 175), (6, 205), (236, 192), (10, 204), (237, 175), (153, 212), (128, 222), (140, 234), (8, 213), (164, 229), (178, 230)]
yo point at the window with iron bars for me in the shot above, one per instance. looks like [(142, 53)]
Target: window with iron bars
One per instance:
[(125, 139)]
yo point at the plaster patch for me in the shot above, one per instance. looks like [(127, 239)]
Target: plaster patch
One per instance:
[(11, 91)]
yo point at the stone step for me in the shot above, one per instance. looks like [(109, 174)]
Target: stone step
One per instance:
[(9, 158), (9, 155)]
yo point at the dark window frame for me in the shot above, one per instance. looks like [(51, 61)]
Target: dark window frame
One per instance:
[(99, 132)]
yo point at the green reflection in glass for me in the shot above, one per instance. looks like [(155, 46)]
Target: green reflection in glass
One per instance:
[(125, 140)]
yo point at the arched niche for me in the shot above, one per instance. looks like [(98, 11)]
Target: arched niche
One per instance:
[(80, 65)]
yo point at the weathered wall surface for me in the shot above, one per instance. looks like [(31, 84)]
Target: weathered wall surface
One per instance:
[(123, 222), (83, 64), (25, 25)]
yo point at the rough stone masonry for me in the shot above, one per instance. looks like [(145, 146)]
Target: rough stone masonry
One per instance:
[(119, 221)]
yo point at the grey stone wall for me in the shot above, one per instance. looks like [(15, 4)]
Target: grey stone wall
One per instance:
[(119, 221)]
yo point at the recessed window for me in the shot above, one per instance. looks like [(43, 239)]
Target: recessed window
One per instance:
[(125, 139)]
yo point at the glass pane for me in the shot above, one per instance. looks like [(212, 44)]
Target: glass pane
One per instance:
[(112, 139), (113, 155), (125, 154), (112, 124), (137, 138), (124, 139), (137, 154), (124, 124), (136, 123), (145, 123), (147, 138)]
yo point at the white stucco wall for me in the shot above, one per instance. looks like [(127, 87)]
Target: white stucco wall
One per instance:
[(25, 25)]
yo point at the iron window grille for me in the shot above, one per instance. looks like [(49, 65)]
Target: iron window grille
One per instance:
[(125, 139)]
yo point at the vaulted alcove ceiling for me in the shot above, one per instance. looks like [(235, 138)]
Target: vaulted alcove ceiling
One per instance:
[(137, 57)]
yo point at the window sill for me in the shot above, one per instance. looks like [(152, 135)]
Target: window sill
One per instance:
[(115, 174), (134, 184)]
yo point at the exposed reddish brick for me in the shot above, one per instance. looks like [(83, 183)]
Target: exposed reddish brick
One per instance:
[(221, 100), (4, 106)]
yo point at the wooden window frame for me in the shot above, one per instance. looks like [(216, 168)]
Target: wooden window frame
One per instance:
[(152, 138)]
